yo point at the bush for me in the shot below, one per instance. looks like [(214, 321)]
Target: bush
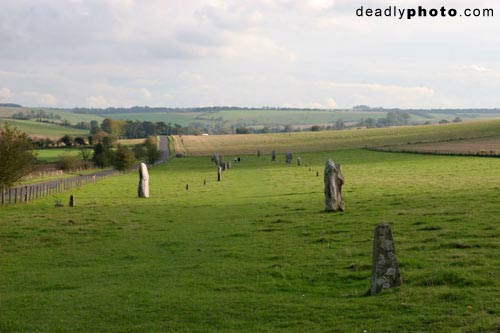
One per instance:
[(16, 155), (68, 162), (124, 158)]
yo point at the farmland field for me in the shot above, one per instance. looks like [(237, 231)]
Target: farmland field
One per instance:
[(255, 252), (52, 155), (43, 130), (73, 118), (330, 140), (490, 145)]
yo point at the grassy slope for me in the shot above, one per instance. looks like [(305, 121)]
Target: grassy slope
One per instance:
[(256, 253), (52, 155), (73, 118), (329, 140), (41, 130)]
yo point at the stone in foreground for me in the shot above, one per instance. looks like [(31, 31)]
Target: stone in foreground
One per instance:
[(334, 180), (385, 267), (143, 190)]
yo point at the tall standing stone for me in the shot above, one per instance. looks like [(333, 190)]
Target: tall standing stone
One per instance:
[(385, 267), (273, 156), (288, 158), (299, 161), (219, 173), (72, 201), (143, 190), (334, 180)]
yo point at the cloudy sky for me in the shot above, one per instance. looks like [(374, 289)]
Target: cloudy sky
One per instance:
[(297, 53)]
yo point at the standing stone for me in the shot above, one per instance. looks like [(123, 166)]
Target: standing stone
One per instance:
[(229, 165), (71, 201), (224, 166), (219, 173), (317, 173), (299, 161), (334, 179), (385, 267), (258, 153), (205, 182), (143, 191), (273, 156), (187, 187), (289, 158)]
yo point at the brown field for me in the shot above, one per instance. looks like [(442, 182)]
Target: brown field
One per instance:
[(330, 140), (481, 146)]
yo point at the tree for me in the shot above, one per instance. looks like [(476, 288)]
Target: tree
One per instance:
[(124, 158), (16, 155), (103, 156), (152, 152)]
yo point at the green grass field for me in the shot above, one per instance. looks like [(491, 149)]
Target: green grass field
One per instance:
[(256, 252), (73, 118), (43, 130), (53, 155)]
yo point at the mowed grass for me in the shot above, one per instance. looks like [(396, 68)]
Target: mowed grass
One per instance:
[(53, 155), (256, 252), (332, 140), (43, 130)]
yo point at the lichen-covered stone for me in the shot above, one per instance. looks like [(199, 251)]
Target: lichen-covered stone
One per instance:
[(385, 267), (143, 190), (334, 180)]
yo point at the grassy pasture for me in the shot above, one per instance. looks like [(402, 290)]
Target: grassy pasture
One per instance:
[(43, 130), (330, 140), (255, 252), (73, 118), (52, 155)]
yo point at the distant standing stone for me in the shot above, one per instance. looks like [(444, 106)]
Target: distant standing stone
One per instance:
[(205, 182), (71, 201), (143, 190), (385, 267), (317, 173), (299, 161), (334, 180), (187, 187), (273, 156), (229, 165), (289, 158), (258, 153), (219, 173)]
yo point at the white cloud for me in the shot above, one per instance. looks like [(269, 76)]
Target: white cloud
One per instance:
[(5, 94)]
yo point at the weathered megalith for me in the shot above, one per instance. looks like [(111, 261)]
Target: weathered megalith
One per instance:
[(72, 200), (385, 267), (299, 161), (219, 173), (334, 179), (273, 155), (289, 158), (143, 190)]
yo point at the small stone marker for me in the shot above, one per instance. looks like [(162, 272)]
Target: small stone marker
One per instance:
[(205, 182), (219, 173), (71, 201), (299, 161), (187, 187), (385, 267), (273, 155), (143, 190), (289, 158), (317, 173), (334, 179)]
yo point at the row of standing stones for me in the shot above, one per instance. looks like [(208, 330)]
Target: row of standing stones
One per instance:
[(385, 267)]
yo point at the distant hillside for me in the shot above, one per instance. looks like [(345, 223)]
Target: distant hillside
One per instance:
[(10, 105)]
